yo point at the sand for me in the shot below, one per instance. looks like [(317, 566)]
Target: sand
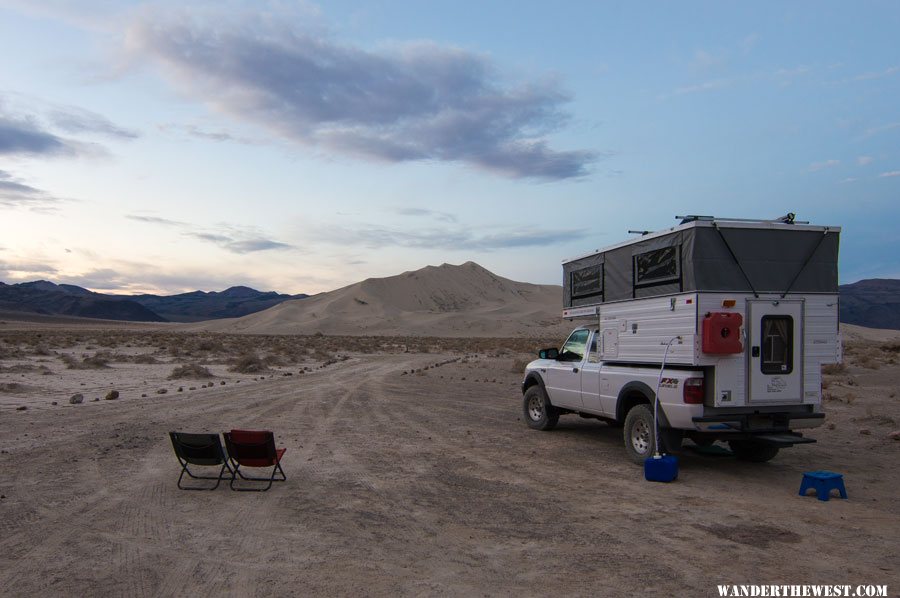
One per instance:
[(410, 472)]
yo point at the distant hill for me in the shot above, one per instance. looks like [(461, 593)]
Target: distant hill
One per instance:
[(447, 300), (873, 303), (47, 298), (233, 302)]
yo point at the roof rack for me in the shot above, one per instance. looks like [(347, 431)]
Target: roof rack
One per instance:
[(788, 218)]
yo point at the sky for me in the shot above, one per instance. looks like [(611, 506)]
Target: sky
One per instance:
[(292, 146)]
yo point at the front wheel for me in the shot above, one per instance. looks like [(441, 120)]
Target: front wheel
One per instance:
[(638, 432), (539, 413), (755, 452)]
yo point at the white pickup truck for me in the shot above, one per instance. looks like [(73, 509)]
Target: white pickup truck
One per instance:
[(575, 380)]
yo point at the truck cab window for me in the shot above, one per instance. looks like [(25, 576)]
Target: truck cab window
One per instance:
[(574, 348)]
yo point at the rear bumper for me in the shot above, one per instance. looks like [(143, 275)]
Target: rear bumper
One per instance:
[(756, 423)]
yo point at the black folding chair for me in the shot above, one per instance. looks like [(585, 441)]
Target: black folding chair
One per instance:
[(254, 448), (200, 449)]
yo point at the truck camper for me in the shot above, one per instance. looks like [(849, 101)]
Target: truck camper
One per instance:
[(727, 322)]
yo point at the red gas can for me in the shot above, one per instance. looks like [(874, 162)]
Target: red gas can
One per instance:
[(722, 333)]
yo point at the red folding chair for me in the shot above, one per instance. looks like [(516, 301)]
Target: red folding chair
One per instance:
[(254, 448)]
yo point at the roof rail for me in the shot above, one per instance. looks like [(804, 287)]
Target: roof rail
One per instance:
[(786, 219)]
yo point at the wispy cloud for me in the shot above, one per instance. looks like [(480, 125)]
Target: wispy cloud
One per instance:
[(155, 220), (893, 70), (24, 136), (863, 160), (816, 166), (891, 173), (78, 120), (16, 194), (442, 216), (236, 239), (402, 102), (21, 271), (375, 237), (206, 135), (702, 87), (31, 127), (872, 131)]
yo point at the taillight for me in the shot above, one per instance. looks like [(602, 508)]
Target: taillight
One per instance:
[(692, 391)]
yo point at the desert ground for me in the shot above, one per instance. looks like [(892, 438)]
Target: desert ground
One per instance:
[(409, 472)]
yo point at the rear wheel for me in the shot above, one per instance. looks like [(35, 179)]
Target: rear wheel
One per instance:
[(539, 413), (750, 450), (640, 440)]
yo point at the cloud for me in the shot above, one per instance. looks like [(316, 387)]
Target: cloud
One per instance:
[(891, 173), (893, 70), (155, 220), (375, 237), (17, 271), (14, 193), (442, 216), (404, 102), (199, 133), (25, 136), (871, 131), (240, 242), (236, 239), (863, 160), (30, 128), (78, 120), (701, 87), (816, 166)]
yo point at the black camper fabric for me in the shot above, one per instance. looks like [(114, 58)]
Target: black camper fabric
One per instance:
[(698, 259)]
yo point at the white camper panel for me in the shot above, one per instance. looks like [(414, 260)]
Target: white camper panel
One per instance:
[(822, 343), (637, 331)]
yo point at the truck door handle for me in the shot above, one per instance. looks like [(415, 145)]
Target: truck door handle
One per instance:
[(575, 370), (754, 352)]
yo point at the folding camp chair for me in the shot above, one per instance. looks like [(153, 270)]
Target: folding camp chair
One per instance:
[(251, 448), (200, 449)]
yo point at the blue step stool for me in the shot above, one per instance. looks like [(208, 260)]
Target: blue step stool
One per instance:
[(823, 482)]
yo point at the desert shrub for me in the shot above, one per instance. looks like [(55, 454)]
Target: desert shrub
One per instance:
[(518, 366), (249, 363), (190, 370), (95, 361), (831, 369), (144, 358)]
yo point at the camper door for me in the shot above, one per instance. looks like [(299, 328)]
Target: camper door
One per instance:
[(775, 358)]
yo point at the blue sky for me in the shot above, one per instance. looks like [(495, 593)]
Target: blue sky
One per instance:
[(145, 146)]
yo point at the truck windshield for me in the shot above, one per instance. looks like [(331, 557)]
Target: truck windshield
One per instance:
[(574, 348)]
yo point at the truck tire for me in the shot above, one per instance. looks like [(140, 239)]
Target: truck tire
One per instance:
[(755, 452), (539, 413), (640, 440)]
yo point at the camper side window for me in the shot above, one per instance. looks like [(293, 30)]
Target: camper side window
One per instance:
[(657, 267), (587, 282), (777, 345)]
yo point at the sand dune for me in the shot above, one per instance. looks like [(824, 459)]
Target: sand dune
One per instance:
[(447, 300)]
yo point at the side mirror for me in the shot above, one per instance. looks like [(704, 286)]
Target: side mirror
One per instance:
[(549, 353)]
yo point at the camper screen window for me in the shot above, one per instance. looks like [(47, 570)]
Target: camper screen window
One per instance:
[(587, 282), (777, 345), (656, 267)]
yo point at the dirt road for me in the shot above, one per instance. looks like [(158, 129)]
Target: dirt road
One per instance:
[(420, 484)]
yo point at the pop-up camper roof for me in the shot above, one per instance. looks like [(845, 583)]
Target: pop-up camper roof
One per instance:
[(711, 255)]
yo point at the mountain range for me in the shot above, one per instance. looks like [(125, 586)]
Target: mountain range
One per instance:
[(446, 300), (47, 298)]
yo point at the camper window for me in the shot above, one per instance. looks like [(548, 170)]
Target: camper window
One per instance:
[(587, 282), (657, 267), (777, 345)]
